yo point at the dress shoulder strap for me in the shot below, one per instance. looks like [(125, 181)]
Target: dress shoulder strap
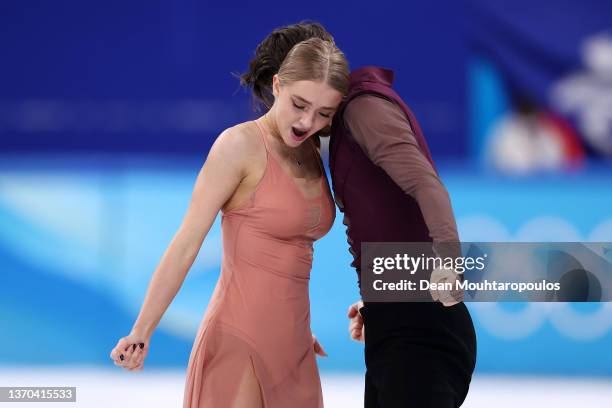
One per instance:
[(317, 155), (263, 137)]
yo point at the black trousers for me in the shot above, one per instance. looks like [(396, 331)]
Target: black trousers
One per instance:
[(417, 355)]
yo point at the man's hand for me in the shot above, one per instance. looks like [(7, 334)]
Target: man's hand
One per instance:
[(446, 297), (356, 327)]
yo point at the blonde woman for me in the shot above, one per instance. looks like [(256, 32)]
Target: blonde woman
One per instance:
[(254, 347)]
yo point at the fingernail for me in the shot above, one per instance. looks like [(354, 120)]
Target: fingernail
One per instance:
[(141, 345), (134, 347)]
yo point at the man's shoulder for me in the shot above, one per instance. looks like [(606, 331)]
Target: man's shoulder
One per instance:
[(368, 105)]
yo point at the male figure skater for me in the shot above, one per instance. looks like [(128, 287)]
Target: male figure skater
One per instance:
[(385, 182)]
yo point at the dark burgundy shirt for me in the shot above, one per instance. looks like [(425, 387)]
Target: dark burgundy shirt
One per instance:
[(383, 177)]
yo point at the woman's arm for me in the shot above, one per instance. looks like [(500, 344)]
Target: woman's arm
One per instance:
[(218, 179), (220, 176)]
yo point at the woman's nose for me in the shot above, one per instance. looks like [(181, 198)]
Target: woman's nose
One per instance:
[(306, 122)]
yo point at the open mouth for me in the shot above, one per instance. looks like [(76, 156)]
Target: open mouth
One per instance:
[(298, 133)]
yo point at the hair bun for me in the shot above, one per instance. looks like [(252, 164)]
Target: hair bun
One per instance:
[(270, 54)]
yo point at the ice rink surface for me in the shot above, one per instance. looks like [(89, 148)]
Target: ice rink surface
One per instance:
[(106, 388)]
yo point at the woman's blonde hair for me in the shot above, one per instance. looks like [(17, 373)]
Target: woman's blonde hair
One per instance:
[(302, 51), (315, 59)]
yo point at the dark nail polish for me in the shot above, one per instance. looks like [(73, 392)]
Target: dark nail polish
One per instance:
[(133, 347), (141, 345), (121, 357)]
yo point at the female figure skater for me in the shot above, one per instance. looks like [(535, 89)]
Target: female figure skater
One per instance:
[(254, 347)]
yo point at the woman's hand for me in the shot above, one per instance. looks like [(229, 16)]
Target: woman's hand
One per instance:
[(130, 352), (356, 327), (318, 349)]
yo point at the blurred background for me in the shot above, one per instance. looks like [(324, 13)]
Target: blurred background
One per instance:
[(107, 112)]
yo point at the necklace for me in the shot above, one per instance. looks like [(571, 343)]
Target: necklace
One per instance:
[(274, 131)]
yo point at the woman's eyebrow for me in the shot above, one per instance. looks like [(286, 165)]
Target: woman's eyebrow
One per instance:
[(306, 101)]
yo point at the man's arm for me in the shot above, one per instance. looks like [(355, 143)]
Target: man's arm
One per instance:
[(382, 130)]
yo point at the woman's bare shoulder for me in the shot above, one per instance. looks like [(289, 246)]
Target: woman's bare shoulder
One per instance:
[(241, 142)]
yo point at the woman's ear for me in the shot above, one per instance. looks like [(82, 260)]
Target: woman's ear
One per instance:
[(275, 86)]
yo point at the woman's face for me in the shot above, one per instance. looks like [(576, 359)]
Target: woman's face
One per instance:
[(302, 108)]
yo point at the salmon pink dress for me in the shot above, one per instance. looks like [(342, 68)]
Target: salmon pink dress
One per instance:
[(258, 318)]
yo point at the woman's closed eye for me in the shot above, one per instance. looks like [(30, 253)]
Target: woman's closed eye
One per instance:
[(301, 107), (298, 106)]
